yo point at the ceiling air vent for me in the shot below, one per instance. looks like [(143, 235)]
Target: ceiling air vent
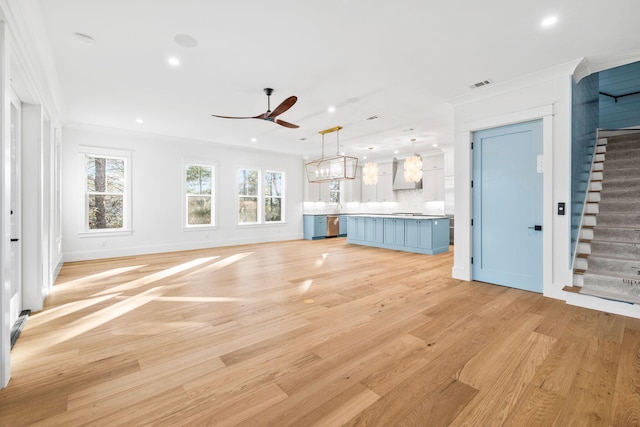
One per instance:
[(482, 83), (372, 117)]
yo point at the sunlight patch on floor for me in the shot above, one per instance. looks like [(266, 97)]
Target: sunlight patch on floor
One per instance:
[(57, 312), (157, 276), (304, 286), (95, 277)]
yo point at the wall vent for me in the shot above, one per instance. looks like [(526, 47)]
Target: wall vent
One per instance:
[(482, 83)]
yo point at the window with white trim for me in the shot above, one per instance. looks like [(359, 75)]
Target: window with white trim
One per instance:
[(106, 192), (199, 195), (248, 193), (273, 196), (261, 196)]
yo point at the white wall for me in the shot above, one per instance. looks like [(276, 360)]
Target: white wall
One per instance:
[(157, 208), (544, 95)]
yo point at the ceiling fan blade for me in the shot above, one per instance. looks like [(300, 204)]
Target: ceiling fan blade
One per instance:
[(284, 106), (260, 116), (285, 124)]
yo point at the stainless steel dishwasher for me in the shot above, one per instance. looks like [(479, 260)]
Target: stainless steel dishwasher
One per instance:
[(333, 225)]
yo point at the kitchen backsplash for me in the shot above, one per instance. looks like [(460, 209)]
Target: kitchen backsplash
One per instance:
[(408, 201)]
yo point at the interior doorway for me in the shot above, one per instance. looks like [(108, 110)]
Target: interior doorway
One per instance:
[(15, 266)]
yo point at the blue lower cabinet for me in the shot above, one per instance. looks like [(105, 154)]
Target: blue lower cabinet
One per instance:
[(394, 231), (315, 227), (374, 230), (426, 236), (344, 224)]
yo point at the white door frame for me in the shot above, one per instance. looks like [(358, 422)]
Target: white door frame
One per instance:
[(15, 214), (463, 244)]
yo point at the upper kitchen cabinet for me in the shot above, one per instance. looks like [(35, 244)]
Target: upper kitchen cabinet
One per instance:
[(352, 188), (433, 178), (383, 190)]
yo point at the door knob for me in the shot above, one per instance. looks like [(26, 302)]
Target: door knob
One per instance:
[(536, 227)]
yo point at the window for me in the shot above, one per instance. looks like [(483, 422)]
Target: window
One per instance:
[(106, 191), (260, 196), (334, 191), (273, 194), (248, 182), (199, 195)]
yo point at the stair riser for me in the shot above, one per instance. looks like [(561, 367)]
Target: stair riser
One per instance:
[(620, 180), (626, 250), (623, 154), (618, 220), (612, 195), (620, 207), (629, 268), (616, 234), (622, 163)]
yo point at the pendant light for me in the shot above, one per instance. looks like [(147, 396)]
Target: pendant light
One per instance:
[(370, 172), (335, 168), (413, 167)]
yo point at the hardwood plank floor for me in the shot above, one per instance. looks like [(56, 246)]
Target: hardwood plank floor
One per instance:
[(313, 333)]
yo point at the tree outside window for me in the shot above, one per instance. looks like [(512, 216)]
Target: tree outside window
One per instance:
[(273, 196), (199, 195), (105, 190), (334, 191), (248, 181)]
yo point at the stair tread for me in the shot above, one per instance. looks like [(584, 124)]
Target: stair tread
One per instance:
[(614, 258), (572, 289), (625, 242), (582, 255), (607, 274), (579, 271)]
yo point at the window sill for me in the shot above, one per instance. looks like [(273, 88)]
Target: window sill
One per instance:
[(200, 228), (105, 233), (261, 224)]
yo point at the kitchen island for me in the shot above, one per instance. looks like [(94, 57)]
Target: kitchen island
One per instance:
[(423, 234)]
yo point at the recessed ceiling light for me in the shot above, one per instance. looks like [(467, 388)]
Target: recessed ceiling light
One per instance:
[(185, 40), (549, 21), (396, 152), (139, 121), (343, 153), (435, 145), (331, 109), (364, 157), (173, 61), (253, 140), (84, 38)]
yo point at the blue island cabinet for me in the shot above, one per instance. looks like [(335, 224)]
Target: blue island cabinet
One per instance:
[(355, 229), (374, 229), (394, 231), (315, 227), (421, 235)]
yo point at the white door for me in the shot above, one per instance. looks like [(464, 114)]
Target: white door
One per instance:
[(15, 275)]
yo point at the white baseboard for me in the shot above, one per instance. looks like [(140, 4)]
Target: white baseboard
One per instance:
[(600, 304), (172, 247)]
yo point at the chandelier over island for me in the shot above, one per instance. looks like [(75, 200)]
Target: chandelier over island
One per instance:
[(370, 172), (334, 168), (413, 167)]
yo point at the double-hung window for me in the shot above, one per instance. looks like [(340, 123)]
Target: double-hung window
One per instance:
[(248, 189), (261, 196), (107, 202), (273, 196), (199, 197)]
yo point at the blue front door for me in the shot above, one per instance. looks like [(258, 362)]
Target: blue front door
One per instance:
[(507, 206)]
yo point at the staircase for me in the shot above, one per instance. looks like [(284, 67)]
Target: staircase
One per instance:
[(608, 254)]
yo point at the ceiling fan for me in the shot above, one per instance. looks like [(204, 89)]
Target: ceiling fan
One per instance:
[(271, 115)]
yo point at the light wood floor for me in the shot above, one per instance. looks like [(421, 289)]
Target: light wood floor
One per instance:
[(313, 333)]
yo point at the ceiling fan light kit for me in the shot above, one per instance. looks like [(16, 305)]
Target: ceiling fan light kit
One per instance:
[(334, 168)]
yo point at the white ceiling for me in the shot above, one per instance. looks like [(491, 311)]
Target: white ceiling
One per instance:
[(400, 61)]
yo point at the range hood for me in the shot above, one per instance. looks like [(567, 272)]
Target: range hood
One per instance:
[(399, 183)]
